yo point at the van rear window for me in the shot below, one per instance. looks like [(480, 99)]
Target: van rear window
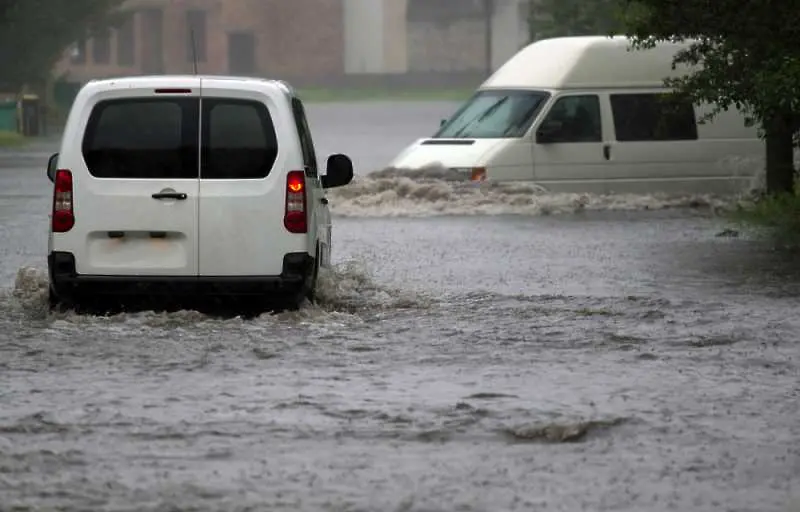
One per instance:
[(239, 140), (143, 138)]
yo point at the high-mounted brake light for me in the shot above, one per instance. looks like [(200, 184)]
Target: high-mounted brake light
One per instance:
[(173, 91), (63, 213), (295, 219)]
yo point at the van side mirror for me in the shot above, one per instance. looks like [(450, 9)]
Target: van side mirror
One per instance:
[(339, 171), (52, 166), (550, 131)]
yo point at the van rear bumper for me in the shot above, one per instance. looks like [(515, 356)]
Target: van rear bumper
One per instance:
[(66, 283)]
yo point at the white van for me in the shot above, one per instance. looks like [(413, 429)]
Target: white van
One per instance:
[(179, 187), (589, 114)]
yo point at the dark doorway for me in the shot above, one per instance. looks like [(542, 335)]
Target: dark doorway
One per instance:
[(152, 37), (241, 53)]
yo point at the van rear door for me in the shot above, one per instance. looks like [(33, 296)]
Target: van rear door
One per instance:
[(242, 194), (136, 185)]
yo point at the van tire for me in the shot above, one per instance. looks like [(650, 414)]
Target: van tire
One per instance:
[(311, 287), (52, 299), (56, 303), (307, 292)]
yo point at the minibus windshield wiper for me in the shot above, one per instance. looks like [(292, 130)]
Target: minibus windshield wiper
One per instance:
[(489, 111)]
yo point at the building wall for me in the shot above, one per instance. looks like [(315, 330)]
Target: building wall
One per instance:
[(314, 42), (450, 36), (395, 30), (446, 36), (375, 33), (510, 29), (453, 45), (300, 38), (364, 41)]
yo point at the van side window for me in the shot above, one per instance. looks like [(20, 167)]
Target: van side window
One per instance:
[(653, 117), (579, 117), (306, 142), (142, 139), (238, 140)]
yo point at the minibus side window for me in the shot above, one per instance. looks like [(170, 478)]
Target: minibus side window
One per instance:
[(575, 119), (653, 117)]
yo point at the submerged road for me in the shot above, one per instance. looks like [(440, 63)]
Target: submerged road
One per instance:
[(461, 358)]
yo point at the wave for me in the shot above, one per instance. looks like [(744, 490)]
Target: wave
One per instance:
[(347, 288), (437, 191)]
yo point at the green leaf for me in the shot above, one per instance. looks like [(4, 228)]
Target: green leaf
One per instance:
[(35, 33)]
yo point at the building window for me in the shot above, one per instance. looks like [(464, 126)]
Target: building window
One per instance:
[(126, 42), (653, 117), (151, 30), (241, 53), (77, 54), (196, 35), (101, 47), (442, 11)]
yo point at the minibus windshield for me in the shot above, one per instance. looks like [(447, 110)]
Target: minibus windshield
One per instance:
[(494, 114)]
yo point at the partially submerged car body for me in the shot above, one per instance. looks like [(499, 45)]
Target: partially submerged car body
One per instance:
[(188, 186), (590, 114)]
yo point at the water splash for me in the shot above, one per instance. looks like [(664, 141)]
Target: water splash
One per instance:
[(435, 191), (351, 287), (565, 432), (344, 289), (29, 294)]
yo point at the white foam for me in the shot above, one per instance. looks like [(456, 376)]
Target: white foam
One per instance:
[(350, 286), (30, 293), (343, 292), (437, 191)]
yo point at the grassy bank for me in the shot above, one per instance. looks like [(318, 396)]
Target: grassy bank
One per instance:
[(11, 139), (314, 95), (777, 218)]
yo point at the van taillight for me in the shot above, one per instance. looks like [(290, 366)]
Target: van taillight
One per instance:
[(63, 213), (294, 217)]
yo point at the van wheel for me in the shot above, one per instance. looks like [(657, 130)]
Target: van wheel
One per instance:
[(311, 289), (56, 303), (52, 299)]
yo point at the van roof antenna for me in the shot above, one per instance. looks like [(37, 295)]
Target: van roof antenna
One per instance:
[(194, 50)]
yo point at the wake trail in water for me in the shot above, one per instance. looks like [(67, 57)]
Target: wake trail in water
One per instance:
[(437, 191), (347, 288)]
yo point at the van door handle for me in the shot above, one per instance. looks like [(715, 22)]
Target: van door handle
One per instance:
[(180, 196), (324, 200), (606, 151)]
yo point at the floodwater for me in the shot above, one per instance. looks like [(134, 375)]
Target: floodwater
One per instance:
[(487, 349)]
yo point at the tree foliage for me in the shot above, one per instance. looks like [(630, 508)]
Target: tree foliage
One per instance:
[(557, 18), (34, 34), (746, 56)]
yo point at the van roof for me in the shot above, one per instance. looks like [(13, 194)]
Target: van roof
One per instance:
[(144, 80), (587, 62)]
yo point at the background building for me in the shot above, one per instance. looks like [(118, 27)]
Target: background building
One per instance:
[(316, 42)]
